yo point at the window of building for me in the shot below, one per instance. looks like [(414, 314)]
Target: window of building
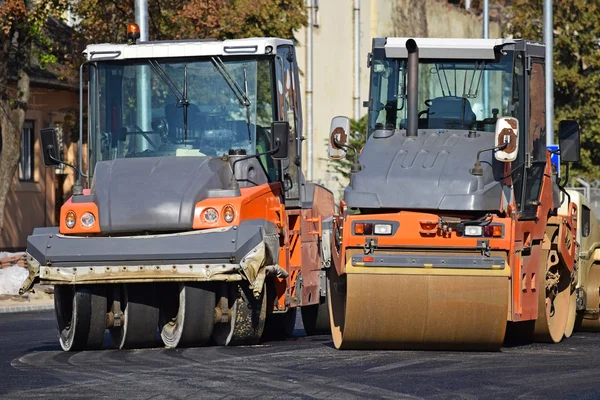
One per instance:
[(27, 155)]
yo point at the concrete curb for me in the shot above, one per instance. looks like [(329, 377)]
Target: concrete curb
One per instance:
[(16, 309)]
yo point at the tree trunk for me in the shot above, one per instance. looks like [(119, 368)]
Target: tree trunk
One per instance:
[(11, 125), (12, 116)]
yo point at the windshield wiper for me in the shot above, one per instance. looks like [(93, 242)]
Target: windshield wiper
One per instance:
[(470, 95), (247, 107), (242, 96), (181, 97)]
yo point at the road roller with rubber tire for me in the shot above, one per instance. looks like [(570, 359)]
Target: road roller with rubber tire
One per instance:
[(587, 295), (454, 231), (198, 226)]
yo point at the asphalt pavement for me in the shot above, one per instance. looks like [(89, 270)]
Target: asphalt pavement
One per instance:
[(32, 365)]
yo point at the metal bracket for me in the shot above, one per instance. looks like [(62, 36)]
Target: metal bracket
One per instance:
[(528, 160), (484, 246), (580, 299), (370, 245), (323, 283), (319, 222), (528, 63)]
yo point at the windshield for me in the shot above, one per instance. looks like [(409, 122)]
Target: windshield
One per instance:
[(180, 107), (452, 94)]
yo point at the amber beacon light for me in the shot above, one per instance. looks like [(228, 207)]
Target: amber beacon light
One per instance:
[(133, 32)]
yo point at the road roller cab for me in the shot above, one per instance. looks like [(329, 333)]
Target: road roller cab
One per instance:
[(197, 219), (451, 224)]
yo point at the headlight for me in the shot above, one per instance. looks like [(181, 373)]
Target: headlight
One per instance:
[(210, 215), (228, 214), (473, 230), (88, 220), (383, 229), (70, 219)]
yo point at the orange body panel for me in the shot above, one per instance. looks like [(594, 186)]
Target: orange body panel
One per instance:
[(259, 202), (79, 209), (414, 233)]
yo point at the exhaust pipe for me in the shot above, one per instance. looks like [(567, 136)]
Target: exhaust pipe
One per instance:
[(413, 88)]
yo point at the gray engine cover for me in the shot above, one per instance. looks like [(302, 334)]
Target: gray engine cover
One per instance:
[(159, 193), (430, 171)]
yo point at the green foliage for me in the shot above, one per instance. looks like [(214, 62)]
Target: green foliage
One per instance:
[(576, 66), (357, 139), (106, 20)]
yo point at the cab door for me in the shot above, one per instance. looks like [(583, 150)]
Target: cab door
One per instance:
[(288, 109), (535, 139)]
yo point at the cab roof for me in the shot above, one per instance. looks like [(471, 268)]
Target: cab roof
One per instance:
[(184, 48), (454, 48)]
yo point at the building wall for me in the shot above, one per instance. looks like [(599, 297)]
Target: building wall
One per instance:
[(334, 62), (32, 204)]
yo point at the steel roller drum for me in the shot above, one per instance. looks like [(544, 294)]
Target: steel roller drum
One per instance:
[(418, 311), (591, 323)]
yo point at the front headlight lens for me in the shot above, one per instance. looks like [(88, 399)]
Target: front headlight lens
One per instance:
[(228, 214), (70, 219), (88, 220), (383, 229), (210, 215), (473, 230)]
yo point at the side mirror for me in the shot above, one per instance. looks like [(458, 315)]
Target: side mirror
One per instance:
[(507, 133), (280, 135), (338, 137), (50, 147), (568, 140)]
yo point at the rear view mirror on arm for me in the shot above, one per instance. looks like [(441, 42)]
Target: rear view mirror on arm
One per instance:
[(568, 140), (338, 138), (280, 135), (50, 147), (507, 138)]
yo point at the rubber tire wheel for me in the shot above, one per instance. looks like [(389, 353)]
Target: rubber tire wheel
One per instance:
[(187, 314), (81, 316), (280, 325), (140, 317), (316, 319)]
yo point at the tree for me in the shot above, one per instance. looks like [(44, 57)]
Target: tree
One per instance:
[(576, 66), (22, 34), (106, 20), (357, 139)]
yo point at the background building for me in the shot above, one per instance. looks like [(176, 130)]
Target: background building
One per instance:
[(340, 77), (38, 192)]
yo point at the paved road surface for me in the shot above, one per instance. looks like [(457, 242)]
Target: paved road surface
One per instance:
[(33, 366)]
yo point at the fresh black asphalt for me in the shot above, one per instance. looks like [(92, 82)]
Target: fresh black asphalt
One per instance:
[(33, 366)]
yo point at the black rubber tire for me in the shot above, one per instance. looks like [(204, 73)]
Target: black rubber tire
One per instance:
[(247, 317), (280, 325), (81, 316), (140, 317), (315, 318), (187, 314)]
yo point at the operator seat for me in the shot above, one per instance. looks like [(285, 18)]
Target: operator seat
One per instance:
[(450, 112), (174, 115)]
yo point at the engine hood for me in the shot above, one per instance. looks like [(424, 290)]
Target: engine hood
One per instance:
[(430, 171), (154, 193)]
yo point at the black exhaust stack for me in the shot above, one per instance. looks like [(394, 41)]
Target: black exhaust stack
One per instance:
[(413, 88)]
